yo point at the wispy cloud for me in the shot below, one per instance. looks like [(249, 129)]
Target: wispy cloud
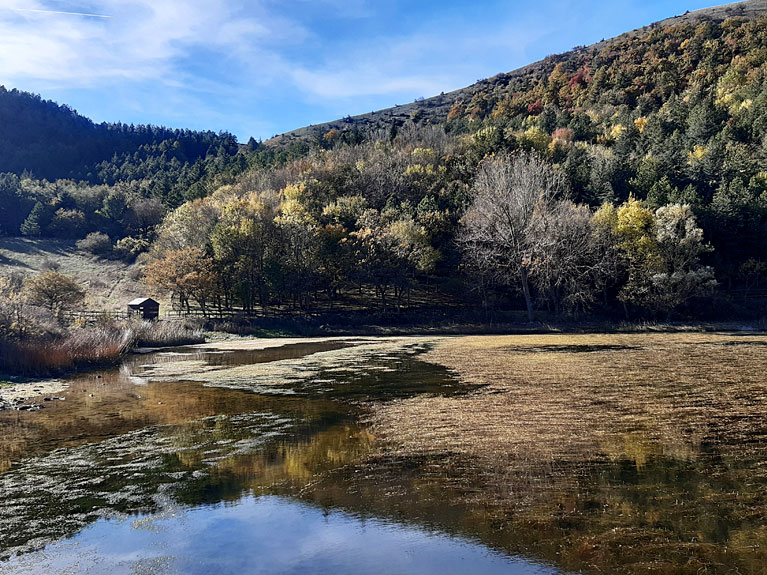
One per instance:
[(85, 14), (139, 40)]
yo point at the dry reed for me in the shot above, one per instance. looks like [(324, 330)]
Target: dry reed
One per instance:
[(82, 348)]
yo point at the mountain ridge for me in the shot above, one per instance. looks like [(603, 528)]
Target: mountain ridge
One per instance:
[(438, 107)]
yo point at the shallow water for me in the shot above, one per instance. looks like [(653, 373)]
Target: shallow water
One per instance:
[(126, 474), (140, 471)]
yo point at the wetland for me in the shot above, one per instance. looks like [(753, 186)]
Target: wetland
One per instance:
[(620, 453)]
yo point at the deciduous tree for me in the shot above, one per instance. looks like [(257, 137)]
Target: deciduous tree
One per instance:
[(53, 291), (501, 227)]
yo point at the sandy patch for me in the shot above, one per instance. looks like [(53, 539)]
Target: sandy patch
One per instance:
[(266, 343), (287, 372)]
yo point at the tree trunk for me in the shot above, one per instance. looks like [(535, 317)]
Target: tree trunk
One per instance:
[(526, 291)]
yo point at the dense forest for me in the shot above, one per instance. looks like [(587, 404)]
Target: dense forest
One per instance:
[(61, 175), (627, 178)]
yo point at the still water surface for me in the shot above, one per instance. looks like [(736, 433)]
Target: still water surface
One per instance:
[(263, 461), (131, 475)]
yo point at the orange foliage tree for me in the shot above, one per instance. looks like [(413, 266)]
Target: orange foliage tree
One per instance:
[(187, 273)]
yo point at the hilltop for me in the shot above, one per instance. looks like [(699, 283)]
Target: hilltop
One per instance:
[(437, 109)]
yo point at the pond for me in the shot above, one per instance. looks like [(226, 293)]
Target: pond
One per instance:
[(527, 454)]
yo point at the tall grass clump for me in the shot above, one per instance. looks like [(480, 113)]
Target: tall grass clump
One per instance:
[(91, 346), (77, 349), (165, 333)]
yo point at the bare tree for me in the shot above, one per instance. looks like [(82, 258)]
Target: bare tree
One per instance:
[(567, 258), (514, 200)]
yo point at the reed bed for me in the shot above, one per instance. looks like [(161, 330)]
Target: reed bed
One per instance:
[(79, 349), (93, 346)]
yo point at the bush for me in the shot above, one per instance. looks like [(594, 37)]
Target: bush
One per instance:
[(50, 265), (129, 248), (54, 291), (96, 243)]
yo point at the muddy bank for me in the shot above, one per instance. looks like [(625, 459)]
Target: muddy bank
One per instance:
[(30, 395), (239, 360)]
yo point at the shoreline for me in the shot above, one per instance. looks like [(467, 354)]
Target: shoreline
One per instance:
[(17, 392), (20, 395)]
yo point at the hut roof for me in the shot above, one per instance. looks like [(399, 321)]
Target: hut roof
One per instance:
[(142, 300)]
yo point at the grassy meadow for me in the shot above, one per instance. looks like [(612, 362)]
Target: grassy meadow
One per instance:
[(110, 284), (621, 453)]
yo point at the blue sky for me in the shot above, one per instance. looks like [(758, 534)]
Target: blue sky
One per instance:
[(261, 67)]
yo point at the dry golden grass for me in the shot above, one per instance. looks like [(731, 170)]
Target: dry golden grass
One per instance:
[(605, 453), (164, 333), (554, 398), (80, 348)]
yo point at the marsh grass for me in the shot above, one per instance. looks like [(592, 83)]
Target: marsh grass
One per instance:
[(93, 346), (79, 349), (624, 453), (569, 396), (166, 333)]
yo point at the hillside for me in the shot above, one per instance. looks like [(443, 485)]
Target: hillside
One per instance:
[(436, 109), (64, 176), (53, 141), (651, 148), (657, 137), (109, 284)]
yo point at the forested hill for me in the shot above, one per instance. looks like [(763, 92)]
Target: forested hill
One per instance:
[(52, 141), (477, 101), (55, 161), (651, 148), (630, 175)]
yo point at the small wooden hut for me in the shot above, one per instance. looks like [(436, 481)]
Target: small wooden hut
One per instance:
[(144, 307)]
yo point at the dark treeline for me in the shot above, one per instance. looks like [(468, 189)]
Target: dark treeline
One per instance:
[(48, 141), (63, 176)]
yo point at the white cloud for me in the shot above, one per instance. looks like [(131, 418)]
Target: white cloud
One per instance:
[(140, 40)]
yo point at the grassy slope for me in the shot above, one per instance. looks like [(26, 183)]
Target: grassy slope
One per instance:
[(110, 284), (435, 109)]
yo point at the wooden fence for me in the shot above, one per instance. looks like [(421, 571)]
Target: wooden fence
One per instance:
[(92, 316)]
